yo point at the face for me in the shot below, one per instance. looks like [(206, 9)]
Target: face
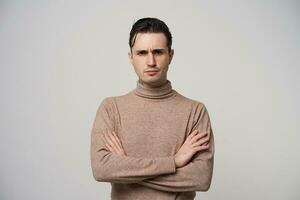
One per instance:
[(150, 58)]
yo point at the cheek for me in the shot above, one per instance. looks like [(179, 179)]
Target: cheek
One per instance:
[(138, 62), (166, 68), (138, 68), (164, 62)]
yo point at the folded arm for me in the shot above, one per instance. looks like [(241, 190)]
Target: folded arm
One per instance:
[(197, 174), (109, 167)]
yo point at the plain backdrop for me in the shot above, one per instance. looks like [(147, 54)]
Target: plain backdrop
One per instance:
[(59, 59)]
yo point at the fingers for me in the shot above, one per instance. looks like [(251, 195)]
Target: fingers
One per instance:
[(117, 139), (110, 144), (199, 136), (113, 143), (191, 135), (202, 142), (111, 149), (119, 144), (198, 141), (202, 147)]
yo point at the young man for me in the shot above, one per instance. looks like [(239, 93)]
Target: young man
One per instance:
[(152, 143)]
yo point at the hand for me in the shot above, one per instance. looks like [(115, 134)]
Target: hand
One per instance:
[(113, 143), (194, 142)]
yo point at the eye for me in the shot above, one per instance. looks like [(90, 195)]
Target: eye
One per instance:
[(141, 53), (158, 52)]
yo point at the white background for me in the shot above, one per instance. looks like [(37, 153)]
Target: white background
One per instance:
[(59, 59)]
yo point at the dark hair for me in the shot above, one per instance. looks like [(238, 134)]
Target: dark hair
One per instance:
[(149, 25)]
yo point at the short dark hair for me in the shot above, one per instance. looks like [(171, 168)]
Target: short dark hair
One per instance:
[(150, 25)]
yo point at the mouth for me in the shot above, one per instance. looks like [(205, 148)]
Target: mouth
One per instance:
[(151, 72)]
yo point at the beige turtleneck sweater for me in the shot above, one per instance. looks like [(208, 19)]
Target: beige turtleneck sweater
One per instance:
[(152, 124)]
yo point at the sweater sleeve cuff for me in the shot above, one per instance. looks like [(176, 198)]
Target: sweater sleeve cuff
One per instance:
[(167, 164)]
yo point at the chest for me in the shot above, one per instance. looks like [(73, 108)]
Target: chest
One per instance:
[(153, 130)]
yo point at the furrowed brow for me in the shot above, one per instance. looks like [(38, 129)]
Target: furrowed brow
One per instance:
[(141, 51), (158, 49)]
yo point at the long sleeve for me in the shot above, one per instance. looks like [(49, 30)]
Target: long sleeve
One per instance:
[(197, 174), (109, 167)]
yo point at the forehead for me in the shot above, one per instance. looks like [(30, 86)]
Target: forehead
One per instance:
[(150, 41)]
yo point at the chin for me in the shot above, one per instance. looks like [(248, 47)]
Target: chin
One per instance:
[(150, 79)]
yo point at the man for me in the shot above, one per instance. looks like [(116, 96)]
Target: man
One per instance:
[(152, 143)]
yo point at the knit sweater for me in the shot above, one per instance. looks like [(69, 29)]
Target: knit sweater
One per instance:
[(152, 124)]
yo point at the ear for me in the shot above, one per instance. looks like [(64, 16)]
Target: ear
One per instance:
[(130, 56), (171, 55)]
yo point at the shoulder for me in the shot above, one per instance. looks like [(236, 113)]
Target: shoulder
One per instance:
[(113, 100), (194, 104), (107, 103)]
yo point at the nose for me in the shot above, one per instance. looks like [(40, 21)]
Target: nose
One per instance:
[(151, 62)]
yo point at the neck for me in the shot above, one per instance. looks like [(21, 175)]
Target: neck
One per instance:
[(154, 91)]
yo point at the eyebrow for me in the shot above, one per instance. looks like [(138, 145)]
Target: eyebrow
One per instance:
[(144, 50)]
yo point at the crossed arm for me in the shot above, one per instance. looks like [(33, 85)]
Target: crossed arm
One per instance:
[(185, 178), (189, 170)]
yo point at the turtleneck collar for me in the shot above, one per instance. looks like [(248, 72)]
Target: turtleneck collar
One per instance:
[(160, 92)]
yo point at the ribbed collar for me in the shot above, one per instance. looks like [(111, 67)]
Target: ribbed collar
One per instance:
[(160, 92)]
